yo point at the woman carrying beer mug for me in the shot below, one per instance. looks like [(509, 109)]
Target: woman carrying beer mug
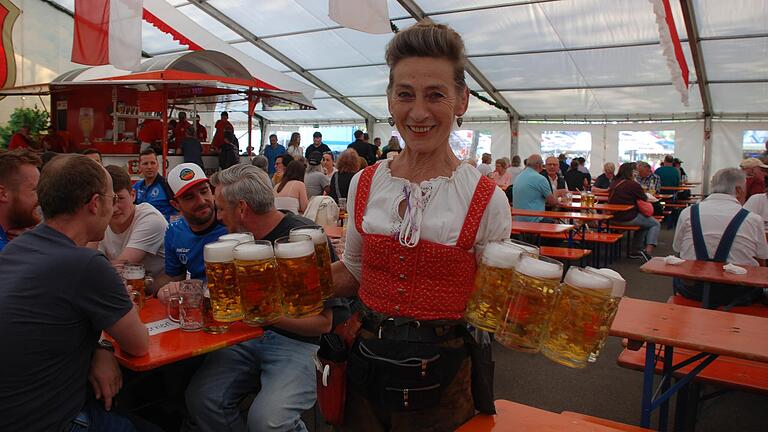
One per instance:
[(417, 224)]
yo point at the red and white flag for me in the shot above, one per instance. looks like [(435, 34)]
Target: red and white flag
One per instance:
[(370, 16), (670, 46), (108, 32)]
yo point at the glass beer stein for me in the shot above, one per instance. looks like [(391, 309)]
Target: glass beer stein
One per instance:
[(298, 276), (256, 271), (493, 281), (322, 254), (220, 273), (529, 306)]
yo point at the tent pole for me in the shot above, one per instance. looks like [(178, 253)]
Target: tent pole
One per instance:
[(250, 123), (707, 157), (263, 124), (165, 132), (514, 128)]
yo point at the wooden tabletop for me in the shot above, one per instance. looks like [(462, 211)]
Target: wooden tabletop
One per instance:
[(690, 183), (332, 231), (675, 188), (604, 197), (540, 228), (174, 345), (708, 271), (511, 416), (561, 215), (599, 206), (731, 334)]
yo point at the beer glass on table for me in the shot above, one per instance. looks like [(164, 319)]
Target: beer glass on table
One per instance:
[(322, 254), (527, 310), (298, 276), (190, 305), (136, 277), (220, 273), (609, 313), (574, 328), (493, 281), (210, 324), (256, 271)]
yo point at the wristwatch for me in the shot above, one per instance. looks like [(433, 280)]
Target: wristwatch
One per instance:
[(106, 345)]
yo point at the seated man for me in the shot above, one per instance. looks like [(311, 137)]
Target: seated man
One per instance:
[(532, 191), (18, 193), (728, 233), (603, 181), (135, 232), (280, 361), (56, 297), (649, 181), (153, 188), (668, 174), (552, 173)]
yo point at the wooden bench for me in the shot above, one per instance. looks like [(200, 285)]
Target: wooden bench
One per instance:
[(624, 228), (604, 422), (725, 371), (754, 310), (564, 253), (597, 239), (676, 205)]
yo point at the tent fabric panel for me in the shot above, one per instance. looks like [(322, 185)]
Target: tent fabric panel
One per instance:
[(729, 18), (478, 108), (377, 105), (742, 59), (327, 109), (631, 65), (211, 24), (362, 81), (530, 70), (727, 138), (261, 56), (154, 40), (271, 17), (740, 98), (318, 93), (553, 102), (646, 100)]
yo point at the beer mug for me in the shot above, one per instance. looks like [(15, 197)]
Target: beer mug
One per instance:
[(322, 254), (574, 327), (493, 281), (619, 286), (529, 305), (242, 237), (256, 271), (210, 324), (298, 276), (190, 305), (135, 276), (220, 273)]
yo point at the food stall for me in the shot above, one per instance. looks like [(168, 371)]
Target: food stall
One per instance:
[(104, 108)]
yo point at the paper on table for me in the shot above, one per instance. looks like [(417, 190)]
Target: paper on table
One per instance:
[(730, 268), (161, 326), (673, 260)]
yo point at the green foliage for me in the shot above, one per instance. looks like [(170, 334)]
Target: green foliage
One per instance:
[(34, 117)]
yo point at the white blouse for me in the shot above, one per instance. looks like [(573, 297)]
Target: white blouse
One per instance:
[(295, 151), (437, 210)]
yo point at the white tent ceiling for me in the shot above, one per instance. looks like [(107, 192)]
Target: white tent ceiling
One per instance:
[(544, 58)]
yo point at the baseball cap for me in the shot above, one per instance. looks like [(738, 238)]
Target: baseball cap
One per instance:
[(315, 158), (752, 163), (184, 176)]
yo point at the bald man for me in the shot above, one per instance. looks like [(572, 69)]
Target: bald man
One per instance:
[(532, 191)]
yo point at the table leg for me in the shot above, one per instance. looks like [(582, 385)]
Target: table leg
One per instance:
[(667, 381), (650, 363)]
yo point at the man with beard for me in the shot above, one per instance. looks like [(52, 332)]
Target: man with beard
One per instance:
[(186, 237), (278, 366), (18, 192)]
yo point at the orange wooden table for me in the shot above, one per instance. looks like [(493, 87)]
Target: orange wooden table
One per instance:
[(710, 332), (537, 228), (598, 206), (561, 215), (511, 416), (675, 188), (707, 271), (332, 231), (174, 345)]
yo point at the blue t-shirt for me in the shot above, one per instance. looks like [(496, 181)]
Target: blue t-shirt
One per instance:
[(271, 154), (3, 238), (530, 192), (669, 175), (184, 248), (157, 195)]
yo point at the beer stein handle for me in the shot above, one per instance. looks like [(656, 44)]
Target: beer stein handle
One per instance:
[(171, 300), (148, 282), (133, 293)]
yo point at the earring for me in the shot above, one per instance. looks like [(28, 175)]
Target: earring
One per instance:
[(459, 121), (391, 121)]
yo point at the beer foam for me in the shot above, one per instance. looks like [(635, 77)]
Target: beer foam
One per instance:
[(527, 247), (133, 272), (294, 250), (537, 268), (317, 235), (619, 284), (240, 237), (587, 280), (254, 251), (501, 255), (219, 251)]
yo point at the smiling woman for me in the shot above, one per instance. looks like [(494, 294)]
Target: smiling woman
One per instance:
[(421, 219)]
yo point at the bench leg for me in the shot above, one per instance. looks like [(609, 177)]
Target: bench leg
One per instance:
[(650, 362)]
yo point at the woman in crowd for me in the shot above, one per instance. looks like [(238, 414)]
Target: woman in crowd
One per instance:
[(514, 169), (392, 149), (346, 167), (294, 149), (290, 193), (281, 162), (500, 175), (314, 180), (625, 190), (575, 179), (328, 164), (422, 219)]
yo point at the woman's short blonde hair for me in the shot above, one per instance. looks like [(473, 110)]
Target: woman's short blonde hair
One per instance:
[(348, 161), (428, 40)]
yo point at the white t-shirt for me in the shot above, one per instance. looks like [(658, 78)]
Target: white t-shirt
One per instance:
[(146, 233), (485, 169), (716, 213), (443, 203), (758, 203)]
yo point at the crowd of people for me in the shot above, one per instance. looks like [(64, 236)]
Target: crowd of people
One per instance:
[(418, 220)]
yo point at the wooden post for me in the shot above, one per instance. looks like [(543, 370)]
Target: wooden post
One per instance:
[(250, 124)]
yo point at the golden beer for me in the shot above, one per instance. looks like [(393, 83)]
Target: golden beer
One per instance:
[(323, 256), (529, 306), (220, 272), (243, 237), (298, 276), (493, 282), (609, 313), (256, 271), (134, 275), (574, 328), (210, 325)]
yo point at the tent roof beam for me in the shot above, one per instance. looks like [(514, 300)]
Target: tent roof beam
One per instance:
[(694, 42)]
